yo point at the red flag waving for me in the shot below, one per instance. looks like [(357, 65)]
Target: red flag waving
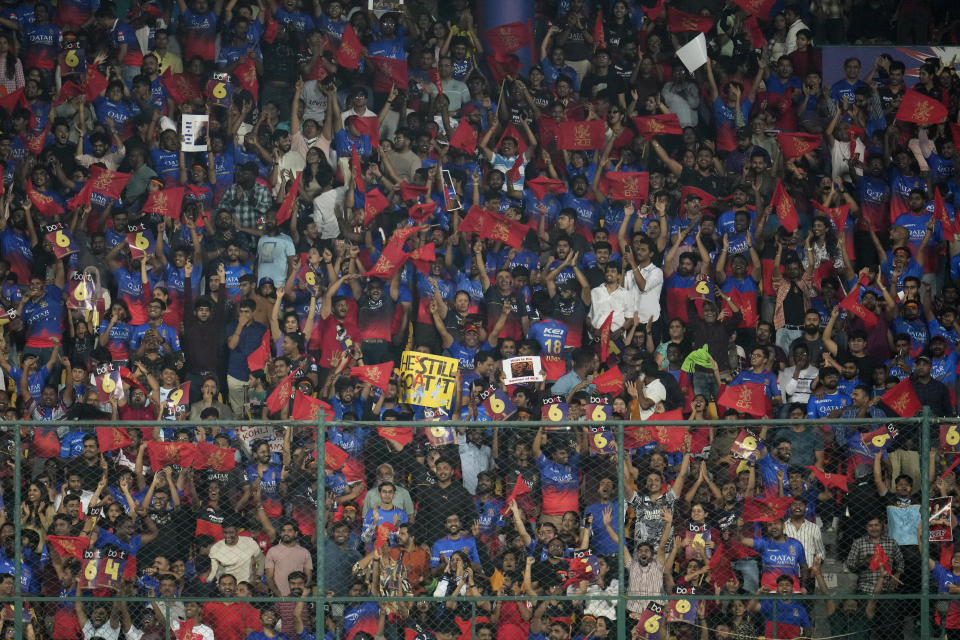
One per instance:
[(902, 399), (82, 197), (750, 398), (401, 435), (765, 509), (786, 210), (108, 183), (411, 191), (508, 38), (599, 41), (112, 438), (334, 457), (661, 124), (69, 546), (94, 83), (163, 454), (759, 8), (795, 145), (285, 212), (473, 221), (279, 397), (395, 70), (350, 50), (580, 136), (879, 560), (166, 202), (920, 109), (605, 337), (420, 212), (502, 229), (520, 489), (673, 437), (376, 374), (830, 480), (754, 33), (610, 381), (852, 304), (246, 76), (680, 21), (374, 202), (541, 186), (391, 259), (257, 360), (949, 227), (307, 408), (45, 444), (706, 199), (42, 202), (837, 215), (464, 137), (184, 87), (210, 456), (628, 185), (13, 100)]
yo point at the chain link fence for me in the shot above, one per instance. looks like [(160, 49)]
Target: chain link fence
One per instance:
[(488, 530)]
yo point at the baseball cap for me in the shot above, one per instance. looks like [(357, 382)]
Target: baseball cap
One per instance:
[(692, 196), (264, 281), (470, 327)]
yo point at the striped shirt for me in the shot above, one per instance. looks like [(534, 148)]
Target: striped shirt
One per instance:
[(643, 581), (808, 534)]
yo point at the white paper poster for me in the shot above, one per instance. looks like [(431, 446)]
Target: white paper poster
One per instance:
[(522, 369), (693, 55), (194, 131)]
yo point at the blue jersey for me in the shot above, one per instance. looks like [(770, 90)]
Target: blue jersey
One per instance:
[(786, 557), (36, 381), (551, 336), (819, 407), (945, 369), (445, 547), (560, 485), (269, 481), (44, 318), (488, 515), (166, 332), (600, 540), (351, 442), (767, 378)]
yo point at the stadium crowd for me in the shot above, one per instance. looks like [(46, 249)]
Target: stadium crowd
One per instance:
[(254, 211)]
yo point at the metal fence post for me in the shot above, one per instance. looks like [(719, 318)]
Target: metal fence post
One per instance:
[(621, 542), (319, 618), (925, 524), (17, 534)]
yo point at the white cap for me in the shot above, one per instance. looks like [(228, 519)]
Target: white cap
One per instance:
[(166, 124)]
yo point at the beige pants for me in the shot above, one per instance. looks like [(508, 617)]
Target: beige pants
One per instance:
[(235, 388), (907, 462)]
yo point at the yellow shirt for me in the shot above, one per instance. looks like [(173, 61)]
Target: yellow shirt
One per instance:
[(169, 61)]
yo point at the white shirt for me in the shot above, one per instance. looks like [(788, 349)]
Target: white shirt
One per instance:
[(106, 631), (602, 302), (647, 300), (655, 391), (325, 212), (797, 390), (808, 534), (314, 102), (235, 560), (473, 460), (199, 631)]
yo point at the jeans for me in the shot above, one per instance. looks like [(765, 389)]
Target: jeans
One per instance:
[(751, 574), (706, 385), (785, 338)]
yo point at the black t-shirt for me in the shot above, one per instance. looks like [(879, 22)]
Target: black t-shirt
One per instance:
[(712, 184), (609, 82)]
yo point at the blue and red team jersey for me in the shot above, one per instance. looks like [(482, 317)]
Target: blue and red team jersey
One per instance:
[(725, 118), (130, 290), (551, 335), (71, 14), (233, 274), (120, 112), (350, 441), (743, 292), (874, 203), (561, 485), (167, 166), (44, 319), (118, 344), (15, 248), (900, 188), (944, 579), (784, 557), (201, 34), (166, 332), (363, 617), (123, 34), (918, 331), (426, 295), (678, 289), (489, 518), (107, 539), (445, 548), (791, 618), (767, 378), (175, 280), (42, 44)]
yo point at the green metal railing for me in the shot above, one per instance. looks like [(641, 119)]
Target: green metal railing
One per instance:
[(924, 423)]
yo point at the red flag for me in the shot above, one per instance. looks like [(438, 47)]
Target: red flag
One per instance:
[(655, 11), (508, 66), (795, 145), (520, 489), (852, 304), (599, 41), (508, 38), (163, 454), (902, 399), (754, 33), (13, 100), (837, 215), (307, 408), (166, 202), (376, 374), (356, 169), (257, 360), (210, 456), (420, 212), (662, 124), (940, 213), (69, 546), (46, 444), (750, 398), (270, 31), (880, 560), (765, 509), (502, 229), (706, 199), (514, 173), (395, 70), (579, 136), (628, 185), (94, 83), (350, 50), (955, 133), (207, 528), (434, 75), (43, 203), (285, 212), (412, 192), (391, 259), (673, 437), (82, 197), (68, 91), (605, 337), (758, 8), (421, 257), (401, 435), (541, 185), (369, 126), (830, 480), (279, 397), (511, 131), (920, 109), (786, 210), (245, 74), (637, 436), (681, 21), (473, 221), (108, 183), (184, 87), (464, 137), (554, 367), (35, 144), (610, 381), (721, 569), (334, 457), (112, 438), (374, 202)]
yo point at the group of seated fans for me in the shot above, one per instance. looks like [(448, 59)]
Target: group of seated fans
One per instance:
[(279, 214)]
